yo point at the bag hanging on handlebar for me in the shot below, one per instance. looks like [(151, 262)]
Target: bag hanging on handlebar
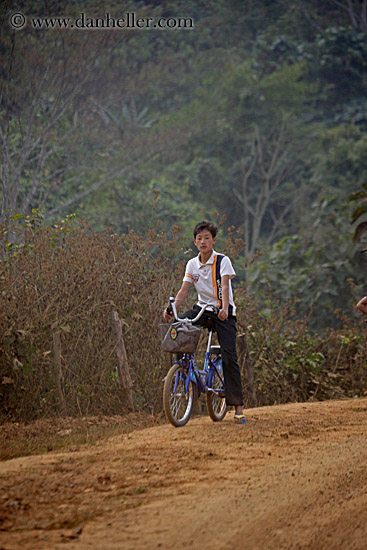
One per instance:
[(180, 337)]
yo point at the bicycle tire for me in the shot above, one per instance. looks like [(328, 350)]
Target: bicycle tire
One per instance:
[(177, 402), (215, 404)]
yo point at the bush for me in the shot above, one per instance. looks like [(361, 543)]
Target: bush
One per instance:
[(291, 363), (68, 280)]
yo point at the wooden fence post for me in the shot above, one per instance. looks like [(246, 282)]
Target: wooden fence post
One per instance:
[(59, 376), (249, 378), (122, 365)]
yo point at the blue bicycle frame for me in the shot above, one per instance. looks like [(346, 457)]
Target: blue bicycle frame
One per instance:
[(202, 378)]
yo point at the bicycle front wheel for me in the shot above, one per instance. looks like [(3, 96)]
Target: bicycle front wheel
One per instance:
[(178, 395), (215, 397)]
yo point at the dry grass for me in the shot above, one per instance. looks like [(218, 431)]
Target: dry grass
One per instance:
[(66, 434), (69, 280)]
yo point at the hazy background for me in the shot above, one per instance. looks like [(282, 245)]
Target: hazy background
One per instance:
[(254, 110)]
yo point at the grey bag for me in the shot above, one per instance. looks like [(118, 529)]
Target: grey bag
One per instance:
[(180, 337)]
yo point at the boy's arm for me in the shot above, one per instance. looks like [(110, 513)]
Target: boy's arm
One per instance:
[(223, 313), (180, 298)]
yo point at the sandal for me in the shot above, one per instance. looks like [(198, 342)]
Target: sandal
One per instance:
[(239, 419)]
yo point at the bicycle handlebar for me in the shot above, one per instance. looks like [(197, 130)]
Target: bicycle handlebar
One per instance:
[(203, 308)]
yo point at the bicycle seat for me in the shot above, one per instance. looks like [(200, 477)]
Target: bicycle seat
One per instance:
[(215, 350), (210, 325)]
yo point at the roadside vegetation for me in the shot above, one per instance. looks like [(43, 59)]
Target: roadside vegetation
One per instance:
[(66, 280)]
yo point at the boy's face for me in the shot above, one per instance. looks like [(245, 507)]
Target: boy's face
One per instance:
[(204, 241)]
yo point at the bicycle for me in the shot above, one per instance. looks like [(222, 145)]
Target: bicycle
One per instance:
[(185, 382)]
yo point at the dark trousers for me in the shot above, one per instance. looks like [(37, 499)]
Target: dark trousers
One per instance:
[(226, 331)]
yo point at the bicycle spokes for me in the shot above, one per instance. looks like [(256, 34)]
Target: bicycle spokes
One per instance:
[(178, 395), (215, 398)]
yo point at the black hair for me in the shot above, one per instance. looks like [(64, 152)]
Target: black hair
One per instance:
[(205, 226)]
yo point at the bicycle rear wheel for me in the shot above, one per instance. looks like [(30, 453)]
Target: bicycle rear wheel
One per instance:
[(215, 397), (177, 401)]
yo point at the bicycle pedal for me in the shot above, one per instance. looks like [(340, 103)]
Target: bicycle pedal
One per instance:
[(218, 393)]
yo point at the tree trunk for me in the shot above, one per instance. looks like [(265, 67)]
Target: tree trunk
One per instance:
[(249, 379), (59, 376), (122, 366)]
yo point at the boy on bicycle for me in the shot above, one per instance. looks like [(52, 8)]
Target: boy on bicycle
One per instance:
[(211, 275)]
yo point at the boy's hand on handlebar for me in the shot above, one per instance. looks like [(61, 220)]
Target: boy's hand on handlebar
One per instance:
[(168, 313), (167, 317)]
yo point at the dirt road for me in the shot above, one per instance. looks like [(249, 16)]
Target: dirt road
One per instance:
[(295, 476)]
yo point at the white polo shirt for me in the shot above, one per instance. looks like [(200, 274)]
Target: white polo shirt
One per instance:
[(205, 279)]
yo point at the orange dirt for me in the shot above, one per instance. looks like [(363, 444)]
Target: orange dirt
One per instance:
[(294, 476)]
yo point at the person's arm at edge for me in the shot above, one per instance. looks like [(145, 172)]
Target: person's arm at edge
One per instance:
[(362, 305)]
